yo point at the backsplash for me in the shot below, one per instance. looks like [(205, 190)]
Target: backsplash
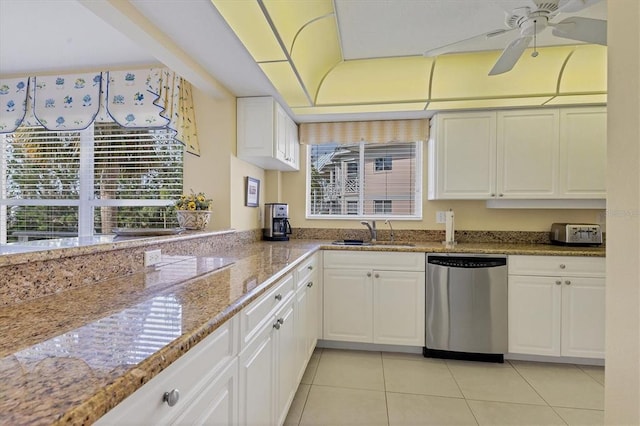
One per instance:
[(44, 273), (415, 235)]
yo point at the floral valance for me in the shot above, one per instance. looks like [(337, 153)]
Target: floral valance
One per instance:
[(149, 98)]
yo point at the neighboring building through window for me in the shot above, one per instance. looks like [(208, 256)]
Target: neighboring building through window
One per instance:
[(344, 180), (384, 164), (382, 206), (70, 183)]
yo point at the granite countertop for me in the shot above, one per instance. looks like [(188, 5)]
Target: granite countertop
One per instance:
[(72, 356)]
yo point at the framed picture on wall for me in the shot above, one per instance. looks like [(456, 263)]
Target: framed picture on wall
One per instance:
[(252, 192)]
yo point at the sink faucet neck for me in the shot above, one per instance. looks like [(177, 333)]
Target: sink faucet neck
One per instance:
[(371, 225)]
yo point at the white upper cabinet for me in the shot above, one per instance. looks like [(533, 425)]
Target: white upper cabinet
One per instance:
[(528, 142), (583, 152), (462, 156), (267, 136), (518, 154)]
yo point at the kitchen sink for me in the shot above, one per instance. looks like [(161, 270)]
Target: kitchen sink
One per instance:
[(377, 243)]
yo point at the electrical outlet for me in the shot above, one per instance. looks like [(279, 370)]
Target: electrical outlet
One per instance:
[(441, 217), (152, 257)]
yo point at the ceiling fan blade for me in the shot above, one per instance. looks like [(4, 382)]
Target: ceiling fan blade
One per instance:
[(582, 29), (510, 55), (460, 45), (570, 6)]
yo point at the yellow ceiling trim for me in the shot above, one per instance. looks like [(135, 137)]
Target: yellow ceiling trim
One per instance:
[(586, 99), (348, 109), (285, 81), (462, 104)]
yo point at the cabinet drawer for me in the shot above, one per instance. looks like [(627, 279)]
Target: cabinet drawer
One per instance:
[(189, 374), (557, 265), (307, 270), (252, 316), (384, 261)]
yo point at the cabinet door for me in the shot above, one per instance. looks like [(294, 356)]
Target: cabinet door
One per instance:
[(398, 304), (314, 304), (217, 403), (462, 156), (534, 315), (255, 127), (528, 150), (348, 305), (583, 317), (285, 358), (292, 144), (583, 152), (257, 398), (281, 134)]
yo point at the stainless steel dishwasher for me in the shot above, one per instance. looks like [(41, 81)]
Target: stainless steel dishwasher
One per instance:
[(466, 307)]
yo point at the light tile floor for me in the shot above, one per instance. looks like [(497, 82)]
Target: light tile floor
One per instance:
[(342, 387)]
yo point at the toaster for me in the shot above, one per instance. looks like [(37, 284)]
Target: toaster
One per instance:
[(584, 234)]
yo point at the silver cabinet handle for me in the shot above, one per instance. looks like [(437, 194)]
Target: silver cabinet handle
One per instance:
[(368, 274), (493, 195), (280, 321), (501, 195), (377, 275), (278, 296), (562, 266), (310, 267), (171, 397), (310, 284), (276, 325), (558, 282), (567, 282)]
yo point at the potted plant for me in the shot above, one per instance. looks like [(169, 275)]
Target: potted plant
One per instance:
[(192, 211)]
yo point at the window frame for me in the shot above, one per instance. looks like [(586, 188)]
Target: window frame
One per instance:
[(417, 214), (86, 202)]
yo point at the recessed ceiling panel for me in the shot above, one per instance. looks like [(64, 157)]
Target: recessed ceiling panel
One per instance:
[(377, 81), (586, 70), (316, 51), (465, 76), (290, 16)]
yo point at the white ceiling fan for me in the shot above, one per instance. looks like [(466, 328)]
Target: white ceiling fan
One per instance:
[(529, 21)]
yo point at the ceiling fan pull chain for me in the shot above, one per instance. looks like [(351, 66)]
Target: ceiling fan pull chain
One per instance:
[(534, 54)]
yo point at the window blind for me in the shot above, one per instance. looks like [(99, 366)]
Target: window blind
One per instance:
[(364, 180), (56, 184)]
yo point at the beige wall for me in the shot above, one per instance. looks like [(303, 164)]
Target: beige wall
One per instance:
[(470, 215), (217, 171), (622, 385)]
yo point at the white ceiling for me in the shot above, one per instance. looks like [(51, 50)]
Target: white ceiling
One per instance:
[(38, 36)]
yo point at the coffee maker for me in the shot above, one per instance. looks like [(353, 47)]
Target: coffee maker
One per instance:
[(276, 222)]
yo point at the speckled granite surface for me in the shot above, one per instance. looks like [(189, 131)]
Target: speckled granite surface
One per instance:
[(69, 356)]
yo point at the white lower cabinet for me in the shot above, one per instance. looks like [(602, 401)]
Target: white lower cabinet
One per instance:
[(557, 306), (368, 299), (202, 387)]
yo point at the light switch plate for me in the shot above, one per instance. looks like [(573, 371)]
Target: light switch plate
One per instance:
[(441, 217)]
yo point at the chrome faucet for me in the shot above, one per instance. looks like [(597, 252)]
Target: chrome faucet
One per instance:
[(372, 229), (388, 222)]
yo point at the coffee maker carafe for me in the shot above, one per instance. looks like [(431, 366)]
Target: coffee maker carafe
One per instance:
[(276, 222)]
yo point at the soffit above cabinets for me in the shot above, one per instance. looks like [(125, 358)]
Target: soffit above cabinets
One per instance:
[(301, 48)]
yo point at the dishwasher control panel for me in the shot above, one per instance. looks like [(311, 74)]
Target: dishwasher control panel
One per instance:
[(466, 261)]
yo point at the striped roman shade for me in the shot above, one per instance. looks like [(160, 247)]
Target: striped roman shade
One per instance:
[(367, 131)]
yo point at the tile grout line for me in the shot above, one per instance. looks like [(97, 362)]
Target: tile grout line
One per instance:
[(384, 382), (530, 384), (466, 401), (311, 385)]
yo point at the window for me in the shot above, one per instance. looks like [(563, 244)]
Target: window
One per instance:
[(343, 180), (383, 164), (382, 206), (124, 177)]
